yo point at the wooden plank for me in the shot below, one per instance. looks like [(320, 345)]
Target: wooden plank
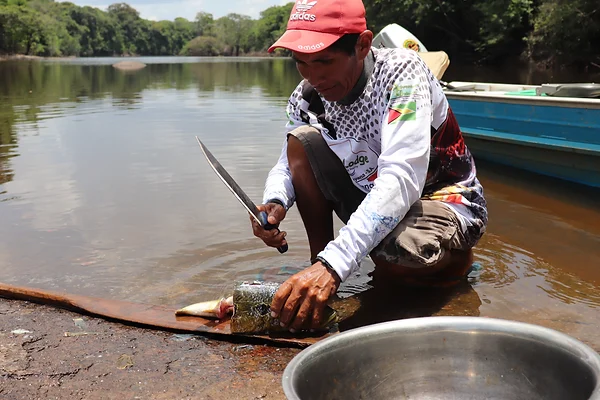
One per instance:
[(147, 315)]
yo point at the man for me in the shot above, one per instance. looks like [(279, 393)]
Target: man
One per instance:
[(370, 136)]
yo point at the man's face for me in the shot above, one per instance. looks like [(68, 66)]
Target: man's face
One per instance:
[(332, 73)]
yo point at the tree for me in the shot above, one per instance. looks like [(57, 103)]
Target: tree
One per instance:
[(97, 32), (202, 46), (135, 31), (204, 24), (478, 29), (183, 32), (270, 26), (503, 26), (234, 30), (549, 31), (160, 39), (20, 29), (566, 32)]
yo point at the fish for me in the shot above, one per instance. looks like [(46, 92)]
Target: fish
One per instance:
[(250, 309), (215, 309)]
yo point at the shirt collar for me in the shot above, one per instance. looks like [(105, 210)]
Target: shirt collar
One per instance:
[(359, 87)]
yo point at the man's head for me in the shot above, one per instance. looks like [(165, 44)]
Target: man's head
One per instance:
[(329, 41)]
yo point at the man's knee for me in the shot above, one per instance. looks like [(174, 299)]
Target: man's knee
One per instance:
[(297, 157), (428, 240), (298, 141)]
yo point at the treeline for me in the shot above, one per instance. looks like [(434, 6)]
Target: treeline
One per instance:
[(553, 32), (51, 29), (558, 32)]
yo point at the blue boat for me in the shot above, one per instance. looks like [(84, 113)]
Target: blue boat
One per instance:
[(551, 129)]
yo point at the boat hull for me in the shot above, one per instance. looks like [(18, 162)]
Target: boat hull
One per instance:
[(558, 138)]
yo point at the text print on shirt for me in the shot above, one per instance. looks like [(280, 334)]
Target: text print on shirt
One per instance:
[(360, 161)]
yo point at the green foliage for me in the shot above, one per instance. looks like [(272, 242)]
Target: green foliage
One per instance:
[(21, 29), (555, 31), (566, 31), (204, 24), (487, 29), (233, 30), (503, 26), (202, 46), (49, 28), (270, 26)]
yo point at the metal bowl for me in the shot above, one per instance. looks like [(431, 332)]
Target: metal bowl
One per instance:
[(445, 358)]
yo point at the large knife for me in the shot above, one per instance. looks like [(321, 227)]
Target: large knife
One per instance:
[(259, 216)]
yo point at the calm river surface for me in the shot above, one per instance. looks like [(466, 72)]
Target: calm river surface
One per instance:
[(105, 192)]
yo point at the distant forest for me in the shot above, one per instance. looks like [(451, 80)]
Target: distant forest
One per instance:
[(550, 32)]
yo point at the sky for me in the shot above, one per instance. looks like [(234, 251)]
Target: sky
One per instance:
[(164, 9)]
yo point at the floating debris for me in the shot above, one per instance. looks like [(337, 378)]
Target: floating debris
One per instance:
[(75, 334), (125, 361), (80, 323), (243, 347), (182, 337)]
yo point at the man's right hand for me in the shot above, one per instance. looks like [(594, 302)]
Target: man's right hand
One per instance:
[(275, 214)]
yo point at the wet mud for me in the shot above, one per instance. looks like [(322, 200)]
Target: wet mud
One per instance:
[(49, 353)]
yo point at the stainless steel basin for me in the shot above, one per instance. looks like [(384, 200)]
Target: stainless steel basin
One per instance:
[(446, 358)]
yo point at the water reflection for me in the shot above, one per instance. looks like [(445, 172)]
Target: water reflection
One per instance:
[(540, 254), (505, 264), (207, 273), (8, 142), (107, 175), (542, 224), (33, 92), (38, 90), (104, 192), (383, 303)]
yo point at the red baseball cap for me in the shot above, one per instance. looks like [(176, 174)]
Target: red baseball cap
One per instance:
[(315, 25)]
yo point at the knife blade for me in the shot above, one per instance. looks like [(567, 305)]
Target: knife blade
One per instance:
[(238, 192)]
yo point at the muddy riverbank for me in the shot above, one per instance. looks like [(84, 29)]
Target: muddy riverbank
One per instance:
[(49, 353)]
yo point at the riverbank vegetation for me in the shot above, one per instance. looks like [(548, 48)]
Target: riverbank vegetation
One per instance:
[(552, 32)]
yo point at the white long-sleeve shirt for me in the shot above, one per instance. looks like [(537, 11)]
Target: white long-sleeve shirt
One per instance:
[(384, 139)]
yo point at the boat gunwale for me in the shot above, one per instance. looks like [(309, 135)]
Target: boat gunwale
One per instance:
[(500, 96)]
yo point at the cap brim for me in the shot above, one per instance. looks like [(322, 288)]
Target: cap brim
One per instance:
[(305, 41)]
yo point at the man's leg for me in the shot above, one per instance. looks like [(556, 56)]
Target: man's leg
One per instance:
[(452, 268), (315, 210), (322, 185), (427, 246)]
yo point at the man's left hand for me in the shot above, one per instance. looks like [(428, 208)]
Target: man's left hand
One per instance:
[(300, 301)]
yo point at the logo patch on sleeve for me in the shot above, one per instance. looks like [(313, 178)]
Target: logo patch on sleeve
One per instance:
[(403, 112)]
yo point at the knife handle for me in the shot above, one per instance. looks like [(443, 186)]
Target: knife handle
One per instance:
[(267, 226)]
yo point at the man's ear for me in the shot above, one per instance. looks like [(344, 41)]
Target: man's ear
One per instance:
[(363, 44)]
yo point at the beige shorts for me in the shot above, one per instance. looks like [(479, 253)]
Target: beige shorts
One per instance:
[(420, 239)]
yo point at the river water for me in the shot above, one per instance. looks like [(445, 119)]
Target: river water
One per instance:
[(105, 192)]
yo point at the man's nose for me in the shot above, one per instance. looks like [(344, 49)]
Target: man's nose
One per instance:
[(315, 76)]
